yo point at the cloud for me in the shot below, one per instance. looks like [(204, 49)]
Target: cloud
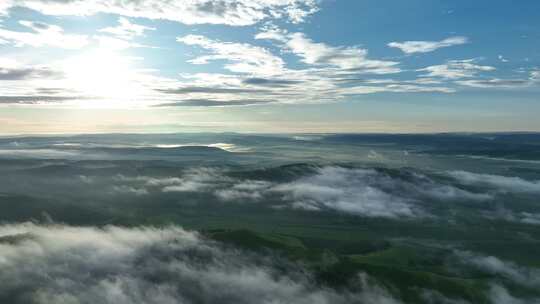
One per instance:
[(371, 193), (497, 182), (84, 77), (535, 76), (243, 58), (494, 83), (112, 43), (298, 11), (229, 12), (193, 180), (269, 82), (521, 275), (37, 99), (319, 193), (130, 190), (455, 69), (259, 75), (41, 35), (529, 218), (64, 264), (250, 190), (37, 153), (211, 103), (12, 70), (411, 47), (522, 217), (211, 90), (502, 59), (4, 8), (318, 53), (355, 191), (500, 295), (533, 79), (127, 30)]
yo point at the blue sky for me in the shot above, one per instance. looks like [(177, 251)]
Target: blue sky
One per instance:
[(269, 66)]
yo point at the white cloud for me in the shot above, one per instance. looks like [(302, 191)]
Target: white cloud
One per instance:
[(494, 83), (361, 192), (64, 264), (4, 7), (521, 275), (230, 12), (130, 190), (348, 191), (535, 76), (411, 47), (500, 295), (371, 193), (193, 180), (114, 44), (272, 33), (529, 218), (259, 75), (497, 182), (321, 54), (455, 69), (42, 34), (244, 58), (245, 190), (126, 29), (16, 71), (36, 153), (298, 11)]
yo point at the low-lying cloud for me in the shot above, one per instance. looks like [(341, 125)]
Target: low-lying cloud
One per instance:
[(490, 264), (498, 182), (64, 264), (355, 191)]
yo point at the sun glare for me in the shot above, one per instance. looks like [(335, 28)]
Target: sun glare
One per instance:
[(102, 74)]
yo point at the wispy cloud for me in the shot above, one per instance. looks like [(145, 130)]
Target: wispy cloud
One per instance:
[(126, 29), (212, 103), (494, 83), (455, 69), (510, 83), (411, 47), (43, 34), (354, 191), (12, 70), (233, 12), (522, 275), (244, 58), (321, 54), (497, 182)]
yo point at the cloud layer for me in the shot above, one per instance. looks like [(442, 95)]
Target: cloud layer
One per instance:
[(353, 191), (63, 264)]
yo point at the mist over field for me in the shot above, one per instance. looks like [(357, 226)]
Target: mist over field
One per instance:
[(230, 218)]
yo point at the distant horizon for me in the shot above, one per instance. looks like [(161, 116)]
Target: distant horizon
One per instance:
[(272, 133)]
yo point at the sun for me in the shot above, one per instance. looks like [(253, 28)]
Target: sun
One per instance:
[(102, 74)]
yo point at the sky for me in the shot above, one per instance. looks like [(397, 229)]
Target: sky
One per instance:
[(269, 66)]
